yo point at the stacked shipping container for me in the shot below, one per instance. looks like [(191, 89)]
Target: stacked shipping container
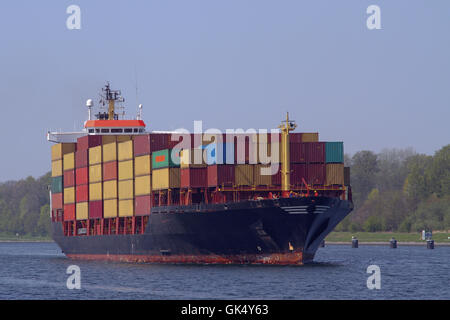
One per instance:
[(142, 172), (57, 185), (110, 177), (120, 176), (125, 156)]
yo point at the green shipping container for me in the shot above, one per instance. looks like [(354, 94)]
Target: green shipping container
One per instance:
[(163, 159), (57, 184), (334, 152)]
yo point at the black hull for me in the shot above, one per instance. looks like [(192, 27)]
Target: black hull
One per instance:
[(281, 231)]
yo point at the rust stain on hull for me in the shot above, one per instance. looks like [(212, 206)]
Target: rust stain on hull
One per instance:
[(296, 258)]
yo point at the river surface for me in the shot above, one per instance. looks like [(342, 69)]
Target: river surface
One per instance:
[(38, 271)]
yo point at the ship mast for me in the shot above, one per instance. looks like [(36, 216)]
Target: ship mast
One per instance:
[(110, 97), (286, 127)]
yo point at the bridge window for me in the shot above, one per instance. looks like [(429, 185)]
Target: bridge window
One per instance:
[(128, 130), (105, 130), (135, 130), (116, 130), (91, 130), (141, 130)]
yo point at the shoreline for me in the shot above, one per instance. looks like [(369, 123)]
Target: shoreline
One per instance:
[(382, 243)]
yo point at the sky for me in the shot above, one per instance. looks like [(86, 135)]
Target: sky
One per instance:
[(231, 64)]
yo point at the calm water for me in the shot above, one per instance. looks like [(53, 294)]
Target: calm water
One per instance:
[(38, 271)]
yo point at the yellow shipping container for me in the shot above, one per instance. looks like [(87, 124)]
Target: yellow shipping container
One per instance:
[(126, 208), (57, 168), (69, 195), (244, 174), (110, 189), (60, 149), (142, 165), (110, 152), (166, 178), (335, 174), (82, 210), (110, 208), (95, 173), (95, 155), (143, 185), (126, 170), (310, 137), (187, 158), (69, 161), (123, 138), (125, 150), (106, 139), (126, 189), (262, 179), (95, 191)]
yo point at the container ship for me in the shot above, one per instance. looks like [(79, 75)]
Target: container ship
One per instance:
[(122, 193)]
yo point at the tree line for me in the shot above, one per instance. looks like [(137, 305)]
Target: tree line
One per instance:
[(399, 190), (394, 190)]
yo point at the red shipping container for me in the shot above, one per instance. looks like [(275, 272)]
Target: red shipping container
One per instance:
[(69, 212), (69, 178), (315, 174), (86, 142), (297, 152), (142, 205), (142, 145), (110, 171), (220, 174), (96, 209), (249, 153), (81, 158), (298, 171), (82, 193), (295, 137), (82, 176), (276, 178), (57, 201), (193, 177), (315, 152)]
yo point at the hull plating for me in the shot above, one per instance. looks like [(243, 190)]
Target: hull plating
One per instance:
[(282, 231)]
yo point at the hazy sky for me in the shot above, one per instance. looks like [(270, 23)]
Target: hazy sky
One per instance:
[(230, 63)]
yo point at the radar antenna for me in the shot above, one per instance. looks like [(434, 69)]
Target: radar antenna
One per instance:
[(110, 97)]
